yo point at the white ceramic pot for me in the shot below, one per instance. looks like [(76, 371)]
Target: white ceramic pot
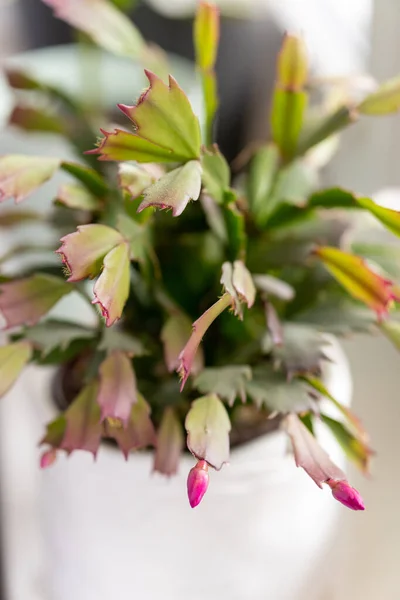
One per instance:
[(109, 530)]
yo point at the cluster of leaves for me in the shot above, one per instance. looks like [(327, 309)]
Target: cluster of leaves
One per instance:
[(269, 261)]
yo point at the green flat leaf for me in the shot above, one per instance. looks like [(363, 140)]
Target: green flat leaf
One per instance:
[(389, 218), (102, 22), (262, 171), (216, 174), (384, 101), (137, 235), (170, 441), (206, 35), (88, 177), (355, 449), (30, 118), (287, 114), (214, 216), (13, 358), (122, 145), (74, 195), (111, 290), (302, 349), (26, 301), (309, 455), (339, 316), (272, 389), (211, 102), (236, 230), (332, 198), (358, 279), (175, 189), (327, 126), (21, 175), (52, 334), (226, 382), (163, 116), (207, 424), (116, 339), (174, 335)]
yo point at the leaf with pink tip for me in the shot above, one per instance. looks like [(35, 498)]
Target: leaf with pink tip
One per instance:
[(82, 422), (76, 196), (21, 175), (103, 22), (13, 359), (308, 453), (169, 446), (111, 290), (175, 189), (134, 179), (84, 250), (117, 391), (174, 335), (358, 279), (163, 116), (139, 432), (26, 301), (188, 354), (208, 425), (121, 145)]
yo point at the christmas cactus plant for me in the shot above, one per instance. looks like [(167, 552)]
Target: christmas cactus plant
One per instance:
[(214, 287)]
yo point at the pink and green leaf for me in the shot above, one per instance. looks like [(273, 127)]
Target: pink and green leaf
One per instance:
[(111, 290), (238, 283), (308, 453), (83, 251), (21, 175), (83, 428), (175, 189), (33, 119), (170, 440), (139, 432), (188, 354), (358, 279), (163, 116), (117, 390), (174, 335), (13, 358), (208, 425), (26, 301)]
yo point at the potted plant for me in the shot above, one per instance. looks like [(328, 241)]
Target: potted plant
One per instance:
[(235, 290)]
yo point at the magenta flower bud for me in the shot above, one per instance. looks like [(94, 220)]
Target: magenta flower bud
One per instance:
[(48, 458), (347, 495), (197, 483)]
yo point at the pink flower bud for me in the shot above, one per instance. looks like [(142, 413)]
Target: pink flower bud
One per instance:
[(197, 483), (347, 495), (48, 458)]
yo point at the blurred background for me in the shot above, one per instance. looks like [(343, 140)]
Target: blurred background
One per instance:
[(344, 37)]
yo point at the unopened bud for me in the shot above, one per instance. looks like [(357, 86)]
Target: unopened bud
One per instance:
[(347, 495), (48, 458), (197, 483)]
